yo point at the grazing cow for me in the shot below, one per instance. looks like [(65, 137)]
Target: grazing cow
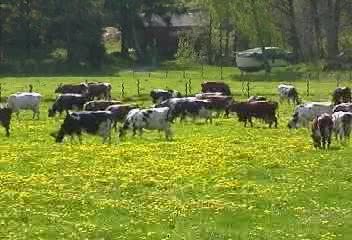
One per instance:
[(256, 99), (25, 101), (81, 88), (342, 125), (341, 95), (99, 90), (211, 87), (217, 103), (322, 128), (152, 119), (343, 107), (288, 92), (95, 123), (120, 111), (160, 95), (305, 113), (265, 110), (5, 119), (65, 102), (194, 108), (99, 105)]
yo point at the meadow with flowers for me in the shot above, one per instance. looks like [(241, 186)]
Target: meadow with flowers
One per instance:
[(218, 182)]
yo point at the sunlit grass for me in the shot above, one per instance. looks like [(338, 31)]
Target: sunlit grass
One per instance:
[(220, 181)]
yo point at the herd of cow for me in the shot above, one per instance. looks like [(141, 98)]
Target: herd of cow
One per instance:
[(89, 108)]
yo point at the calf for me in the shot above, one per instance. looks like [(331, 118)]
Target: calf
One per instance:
[(152, 119), (81, 88), (5, 119), (211, 87), (341, 95), (99, 105), (65, 102), (265, 110), (342, 125), (322, 128), (160, 95), (25, 101), (120, 111), (288, 92), (305, 113), (99, 90), (95, 123)]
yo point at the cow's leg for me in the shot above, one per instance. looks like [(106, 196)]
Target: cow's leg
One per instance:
[(140, 132), (18, 114), (168, 132), (250, 121), (7, 128)]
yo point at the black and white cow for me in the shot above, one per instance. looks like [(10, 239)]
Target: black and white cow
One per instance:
[(343, 107), (305, 113), (66, 102), (24, 101), (341, 95), (288, 92), (95, 123), (5, 119), (342, 125), (160, 95), (151, 119)]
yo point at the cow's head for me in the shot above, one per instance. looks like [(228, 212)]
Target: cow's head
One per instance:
[(293, 123), (59, 88), (51, 112)]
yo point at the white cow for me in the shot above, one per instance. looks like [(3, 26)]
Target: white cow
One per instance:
[(289, 93), (342, 125), (24, 101), (305, 113), (151, 119)]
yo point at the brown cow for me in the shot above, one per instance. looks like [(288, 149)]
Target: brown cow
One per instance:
[(5, 119), (341, 95), (265, 110), (81, 88), (99, 90), (322, 128), (222, 87), (120, 111), (99, 105)]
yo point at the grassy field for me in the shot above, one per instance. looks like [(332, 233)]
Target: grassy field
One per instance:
[(216, 182)]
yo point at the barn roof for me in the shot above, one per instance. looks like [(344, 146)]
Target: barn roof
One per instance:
[(181, 20)]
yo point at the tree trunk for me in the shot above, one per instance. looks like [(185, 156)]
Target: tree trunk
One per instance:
[(293, 35), (210, 42), (317, 29), (332, 28)]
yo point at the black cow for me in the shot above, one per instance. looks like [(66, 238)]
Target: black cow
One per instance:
[(65, 102), (5, 119), (265, 110), (96, 123), (322, 128), (341, 95)]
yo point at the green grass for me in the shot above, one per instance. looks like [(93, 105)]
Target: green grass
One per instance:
[(220, 181)]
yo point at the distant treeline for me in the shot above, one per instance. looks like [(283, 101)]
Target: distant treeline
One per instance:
[(70, 31)]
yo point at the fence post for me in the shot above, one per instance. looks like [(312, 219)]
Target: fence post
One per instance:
[(30, 88), (242, 83), (122, 90), (190, 86), (138, 87), (166, 74), (186, 89), (150, 74), (0, 92), (248, 89), (338, 79), (184, 74), (308, 83)]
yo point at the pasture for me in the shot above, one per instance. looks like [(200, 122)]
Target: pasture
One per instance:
[(219, 181)]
